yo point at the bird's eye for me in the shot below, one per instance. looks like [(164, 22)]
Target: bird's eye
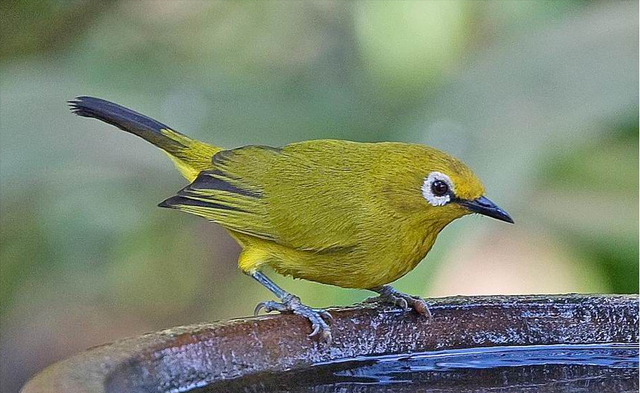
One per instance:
[(439, 188)]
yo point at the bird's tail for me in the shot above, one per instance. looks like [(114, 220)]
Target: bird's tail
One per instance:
[(190, 156)]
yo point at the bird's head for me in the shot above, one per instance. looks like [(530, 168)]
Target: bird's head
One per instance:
[(451, 190), (442, 189)]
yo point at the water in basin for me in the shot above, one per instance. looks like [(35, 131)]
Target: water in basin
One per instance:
[(598, 368)]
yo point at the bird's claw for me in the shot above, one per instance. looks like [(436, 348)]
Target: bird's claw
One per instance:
[(421, 307), (269, 306), (326, 316), (390, 299), (402, 300), (320, 319), (402, 303)]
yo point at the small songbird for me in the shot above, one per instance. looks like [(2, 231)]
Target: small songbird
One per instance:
[(354, 215)]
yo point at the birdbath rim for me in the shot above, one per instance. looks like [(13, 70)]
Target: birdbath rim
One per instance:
[(184, 357)]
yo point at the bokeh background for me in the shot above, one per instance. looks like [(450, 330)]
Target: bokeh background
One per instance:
[(539, 97)]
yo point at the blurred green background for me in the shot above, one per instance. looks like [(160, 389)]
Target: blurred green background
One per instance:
[(539, 97)]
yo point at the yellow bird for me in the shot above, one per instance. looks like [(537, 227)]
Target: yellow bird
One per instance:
[(354, 215)]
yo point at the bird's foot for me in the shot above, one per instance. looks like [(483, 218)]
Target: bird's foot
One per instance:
[(407, 302), (320, 319)]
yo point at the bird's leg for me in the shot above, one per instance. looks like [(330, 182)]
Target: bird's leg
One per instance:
[(291, 304), (389, 295)]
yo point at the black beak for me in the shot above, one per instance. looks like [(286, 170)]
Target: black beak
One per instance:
[(485, 207)]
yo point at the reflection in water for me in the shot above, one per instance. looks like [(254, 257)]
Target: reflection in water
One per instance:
[(549, 368)]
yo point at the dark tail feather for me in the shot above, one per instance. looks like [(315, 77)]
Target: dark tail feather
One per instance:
[(127, 120), (189, 155)]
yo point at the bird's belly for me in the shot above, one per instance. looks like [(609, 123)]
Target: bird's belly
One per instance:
[(360, 267), (351, 269)]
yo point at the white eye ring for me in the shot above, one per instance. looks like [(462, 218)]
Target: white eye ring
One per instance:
[(428, 194)]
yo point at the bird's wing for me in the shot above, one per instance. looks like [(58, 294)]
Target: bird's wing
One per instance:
[(231, 193), (295, 198)]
